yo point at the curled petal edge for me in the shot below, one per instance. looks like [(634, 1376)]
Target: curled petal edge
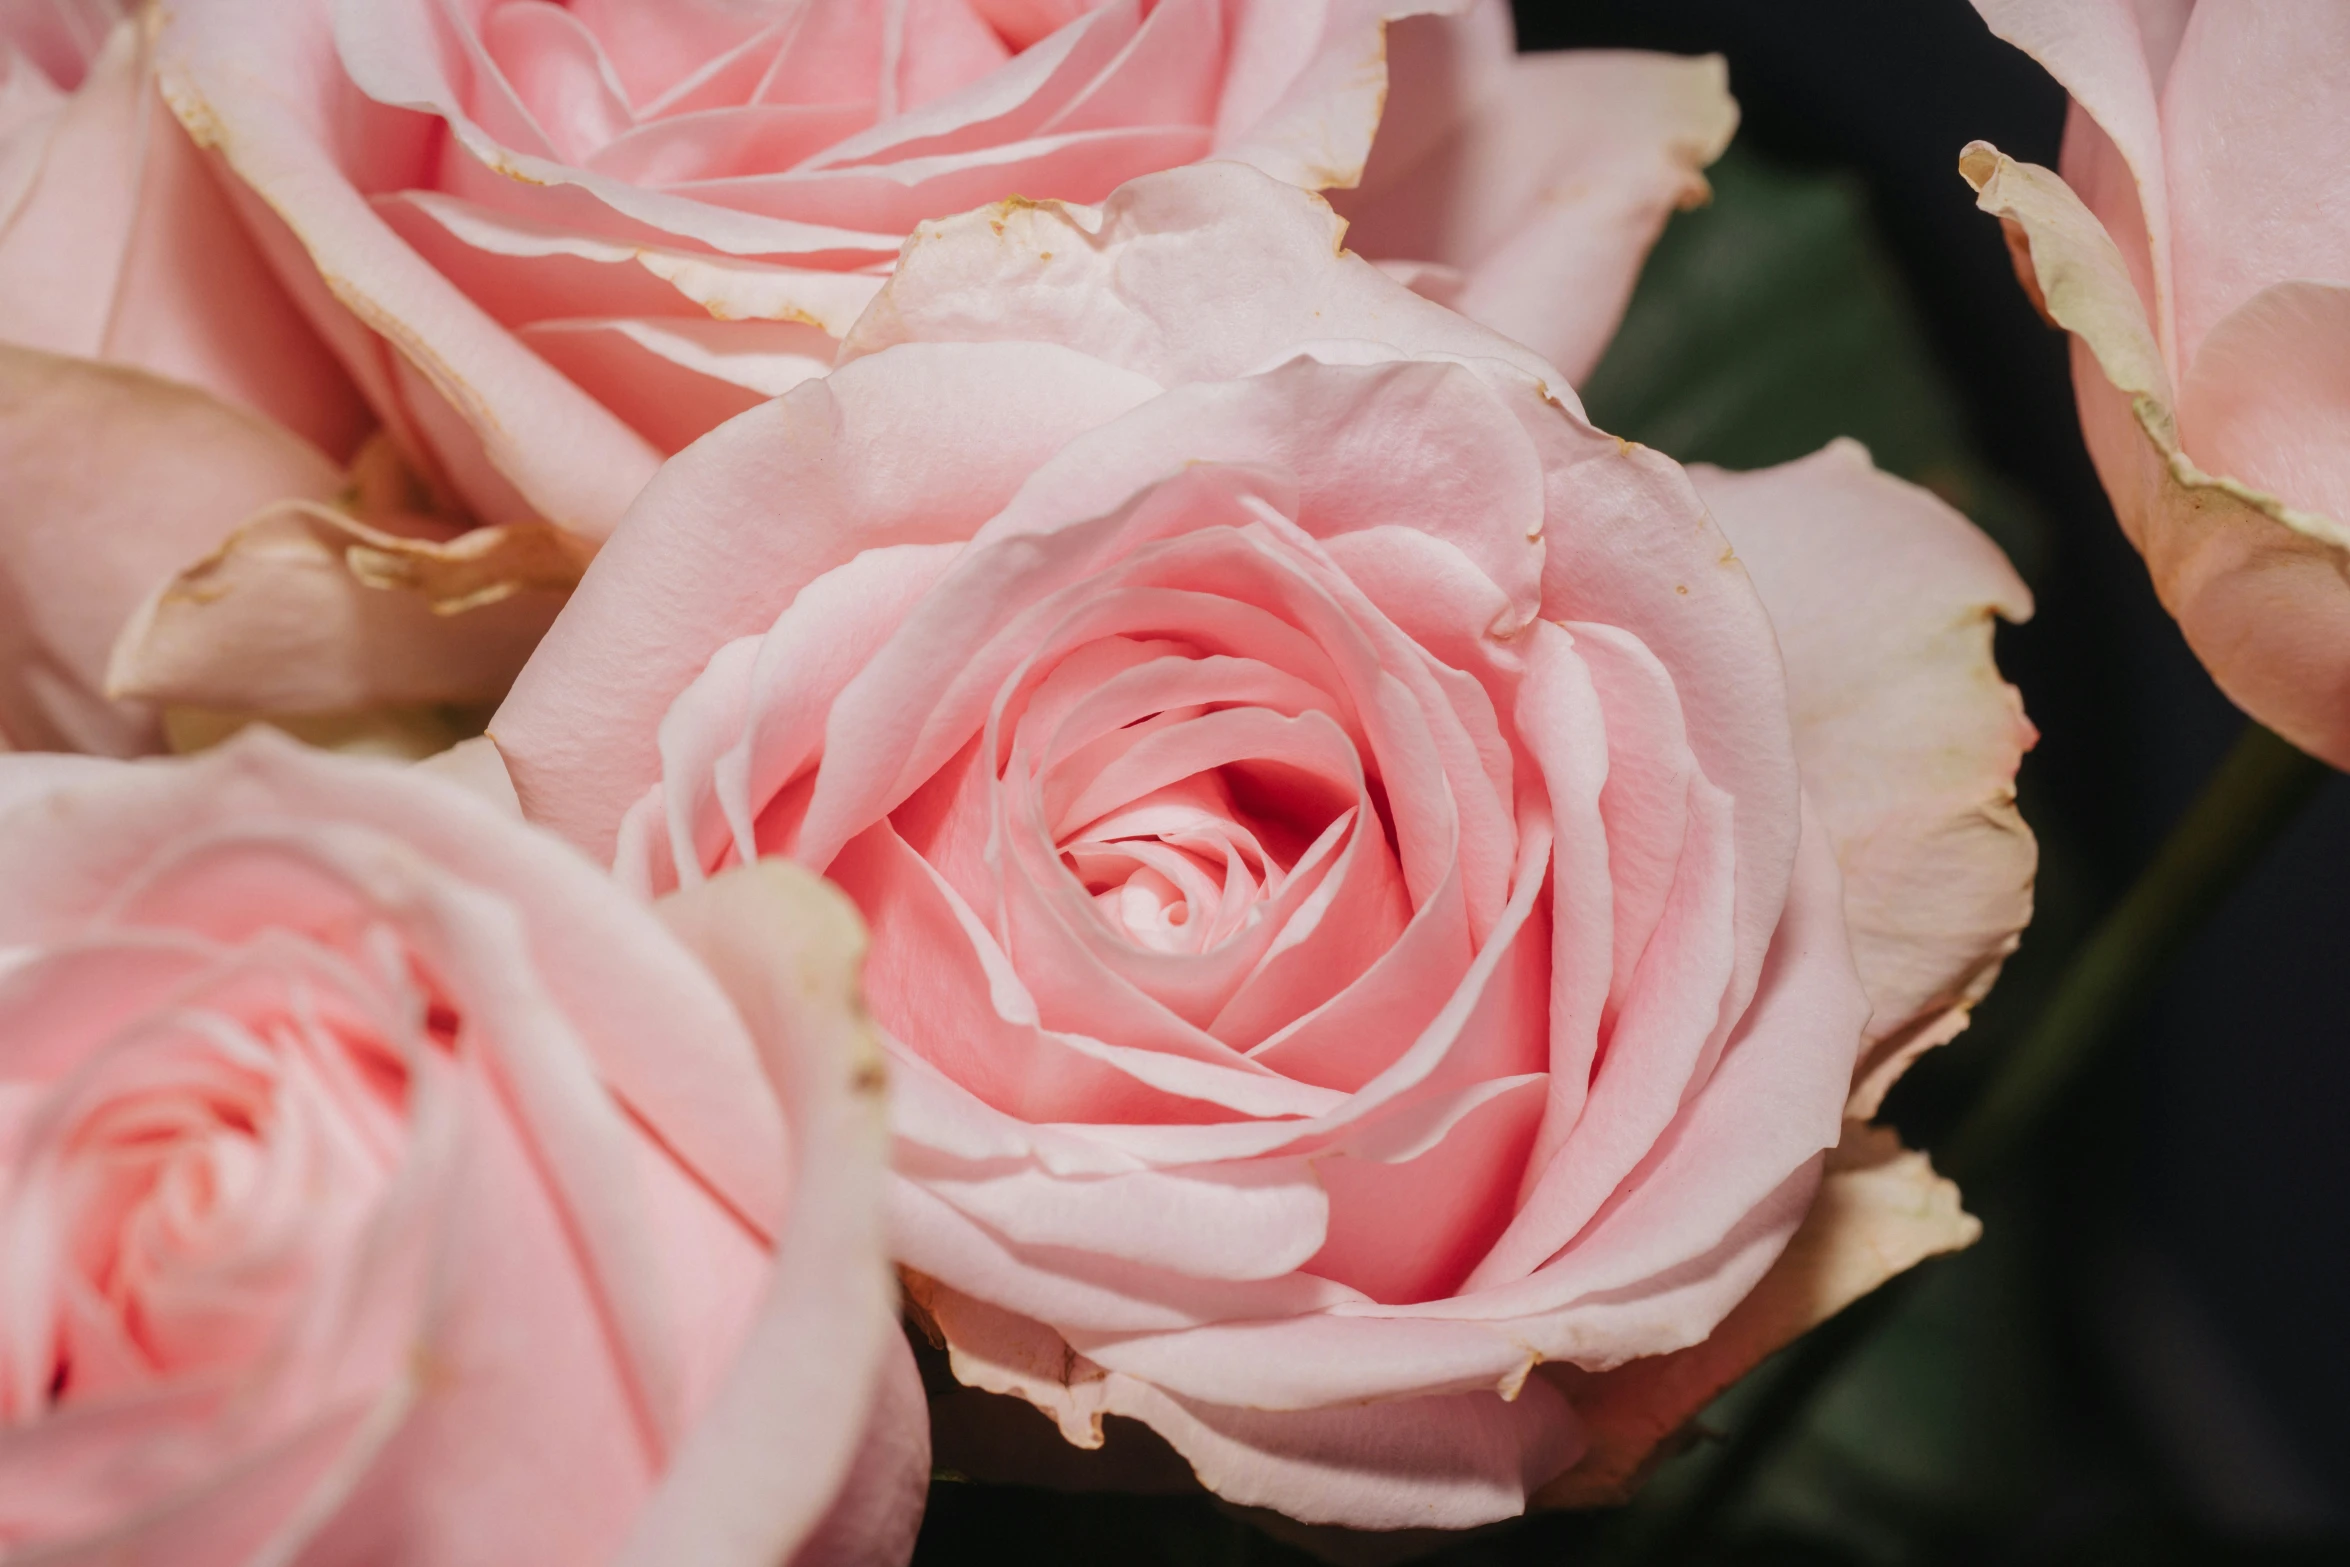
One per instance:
[(2194, 524)]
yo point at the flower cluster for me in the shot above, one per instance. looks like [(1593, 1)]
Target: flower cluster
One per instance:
[(1096, 770)]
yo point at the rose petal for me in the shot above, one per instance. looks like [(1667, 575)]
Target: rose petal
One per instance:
[(849, 450), (1547, 188), (1880, 1211), (116, 480), (2254, 137), (2254, 580), (1884, 600), (755, 1478), (304, 609), (574, 463)]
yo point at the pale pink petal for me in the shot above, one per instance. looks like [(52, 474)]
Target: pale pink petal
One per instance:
[(2254, 579), (675, 378), (1884, 599), (2113, 57), (2266, 399), (1548, 190), (1447, 1461), (1005, 105), (705, 1102), (125, 249), (521, 271), (1197, 274), (1678, 592), (758, 1473), (2256, 132), (1076, 165), (1308, 80), (1412, 1229), (879, 453), (116, 480), (1703, 1216), (654, 48), (1880, 1210), (286, 615)]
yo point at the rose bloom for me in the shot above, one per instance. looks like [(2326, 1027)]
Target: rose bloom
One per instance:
[(556, 242), (1376, 931), (380, 1184), (2197, 246)]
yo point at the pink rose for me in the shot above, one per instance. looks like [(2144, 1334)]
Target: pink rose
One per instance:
[(1375, 930), (2198, 249), (379, 1184), (554, 243), (156, 385)]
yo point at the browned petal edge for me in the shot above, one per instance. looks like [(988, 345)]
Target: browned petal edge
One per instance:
[(307, 609), (1881, 1210), (477, 568)]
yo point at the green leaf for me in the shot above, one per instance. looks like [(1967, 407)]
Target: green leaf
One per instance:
[(1769, 322)]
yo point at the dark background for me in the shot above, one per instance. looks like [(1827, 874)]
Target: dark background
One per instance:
[(2142, 1363)]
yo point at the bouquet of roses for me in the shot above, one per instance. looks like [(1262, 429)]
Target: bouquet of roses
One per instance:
[(975, 689)]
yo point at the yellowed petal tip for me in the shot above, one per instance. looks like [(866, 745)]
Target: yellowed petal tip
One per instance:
[(477, 568), (1881, 1210), (304, 609)]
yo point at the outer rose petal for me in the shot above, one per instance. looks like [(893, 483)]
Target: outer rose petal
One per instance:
[(1546, 193), (1198, 274), (115, 480), (2255, 580), (756, 1477), (1879, 1212), (2112, 56), (1908, 740), (306, 610), (124, 248), (1310, 79), (1446, 1462), (2256, 133)]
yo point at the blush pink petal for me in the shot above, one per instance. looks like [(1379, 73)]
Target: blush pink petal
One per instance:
[(1540, 179), (1311, 79), (1442, 1461), (116, 480), (2255, 579), (2267, 399), (1731, 1178), (570, 460), (1680, 593), (708, 1102), (700, 564), (521, 272), (1907, 737), (1190, 275), (671, 378), (755, 1481), (2255, 136), (123, 248)]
